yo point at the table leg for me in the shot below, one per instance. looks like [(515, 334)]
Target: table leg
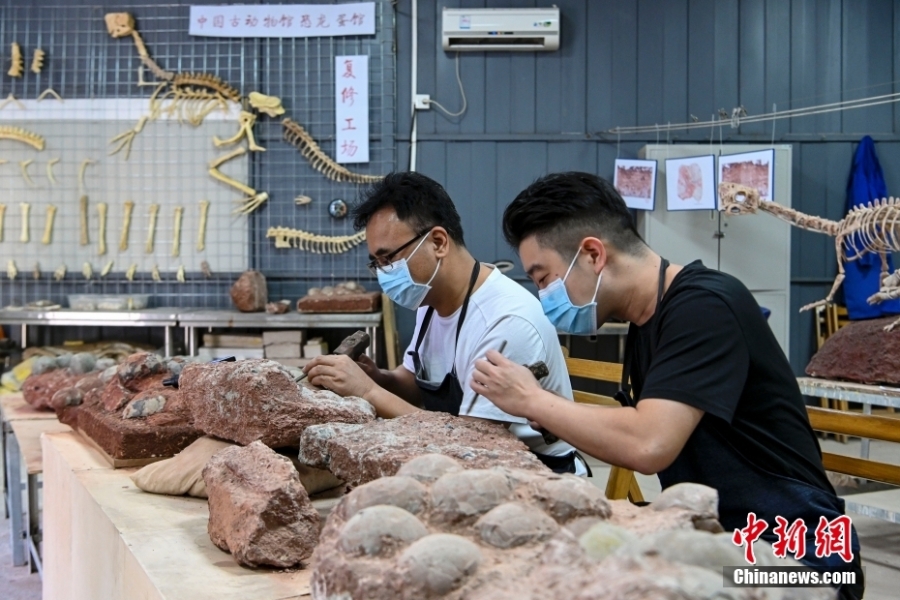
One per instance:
[(33, 538), (191, 339), (167, 345), (3, 427), (864, 442), (14, 484)]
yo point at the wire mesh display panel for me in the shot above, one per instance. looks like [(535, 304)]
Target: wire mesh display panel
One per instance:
[(92, 71)]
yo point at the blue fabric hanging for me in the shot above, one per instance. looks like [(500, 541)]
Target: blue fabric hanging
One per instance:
[(864, 274)]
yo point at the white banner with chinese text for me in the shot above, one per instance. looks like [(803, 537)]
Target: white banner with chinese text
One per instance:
[(283, 20), (351, 108)]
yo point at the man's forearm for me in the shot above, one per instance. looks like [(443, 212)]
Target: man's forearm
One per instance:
[(610, 434), (388, 405)]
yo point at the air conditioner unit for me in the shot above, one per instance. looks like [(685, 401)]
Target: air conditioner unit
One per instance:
[(490, 29)]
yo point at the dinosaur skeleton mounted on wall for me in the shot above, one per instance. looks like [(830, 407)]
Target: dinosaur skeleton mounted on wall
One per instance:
[(871, 228)]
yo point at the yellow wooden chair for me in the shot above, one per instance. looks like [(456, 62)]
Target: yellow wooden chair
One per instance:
[(622, 482)]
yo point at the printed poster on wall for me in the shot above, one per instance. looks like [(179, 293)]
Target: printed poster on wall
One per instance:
[(351, 108), (636, 181), (283, 20), (753, 169), (691, 183)]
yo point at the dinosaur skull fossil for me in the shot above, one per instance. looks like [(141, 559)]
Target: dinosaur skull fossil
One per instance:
[(737, 199)]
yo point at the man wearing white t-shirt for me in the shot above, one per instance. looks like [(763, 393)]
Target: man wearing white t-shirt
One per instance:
[(464, 308)]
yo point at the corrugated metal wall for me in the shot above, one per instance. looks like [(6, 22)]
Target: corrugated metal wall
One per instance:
[(656, 61)]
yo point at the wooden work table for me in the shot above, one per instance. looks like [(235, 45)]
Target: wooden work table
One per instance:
[(104, 538)]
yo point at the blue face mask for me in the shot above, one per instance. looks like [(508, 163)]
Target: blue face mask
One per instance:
[(399, 286), (565, 316)]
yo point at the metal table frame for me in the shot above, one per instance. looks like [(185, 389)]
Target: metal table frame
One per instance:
[(867, 395), (230, 319), (151, 317), (13, 501)]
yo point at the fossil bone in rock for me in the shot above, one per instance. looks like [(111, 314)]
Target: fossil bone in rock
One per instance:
[(101, 237), (201, 233), (37, 62), (48, 225), (21, 135), (871, 228), (50, 164), (17, 63), (126, 226), (270, 105), (245, 121), (60, 273), (151, 230), (297, 136), (26, 208), (176, 238), (83, 211), (23, 166), (304, 240)]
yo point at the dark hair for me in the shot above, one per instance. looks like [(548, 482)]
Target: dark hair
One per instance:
[(561, 209), (418, 200)]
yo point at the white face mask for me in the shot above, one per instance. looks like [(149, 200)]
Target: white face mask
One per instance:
[(399, 286)]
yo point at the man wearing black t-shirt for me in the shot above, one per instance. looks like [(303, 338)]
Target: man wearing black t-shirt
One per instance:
[(712, 399)]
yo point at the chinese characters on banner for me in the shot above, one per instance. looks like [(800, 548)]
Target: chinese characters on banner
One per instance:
[(283, 20), (351, 108), (832, 537)]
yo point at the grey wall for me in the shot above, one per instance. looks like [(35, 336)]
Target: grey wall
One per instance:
[(656, 61)]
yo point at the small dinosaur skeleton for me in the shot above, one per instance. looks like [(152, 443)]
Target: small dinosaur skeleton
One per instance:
[(49, 92), (151, 230), (23, 166), (60, 273), (83, 212), (270, 105), (17, 63), (26, 208), (126, 226), (189, 96), (295, 135), (201, 232), (130, 273), (176, 238), (37, 62), (50, 164), (48, 225), (245, 122), (311, 242), (2, 216), (11, 271), (101, 237), (21, 135), (871, 228), (254, 199)]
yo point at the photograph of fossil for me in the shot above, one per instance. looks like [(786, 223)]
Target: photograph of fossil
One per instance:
[(691, 183), (636, 181), (753, 169)]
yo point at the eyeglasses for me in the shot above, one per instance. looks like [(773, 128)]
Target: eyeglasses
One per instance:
[(385, 263)]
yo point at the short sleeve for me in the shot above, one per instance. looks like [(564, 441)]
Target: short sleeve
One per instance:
[(701, 357), (524, 346)]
